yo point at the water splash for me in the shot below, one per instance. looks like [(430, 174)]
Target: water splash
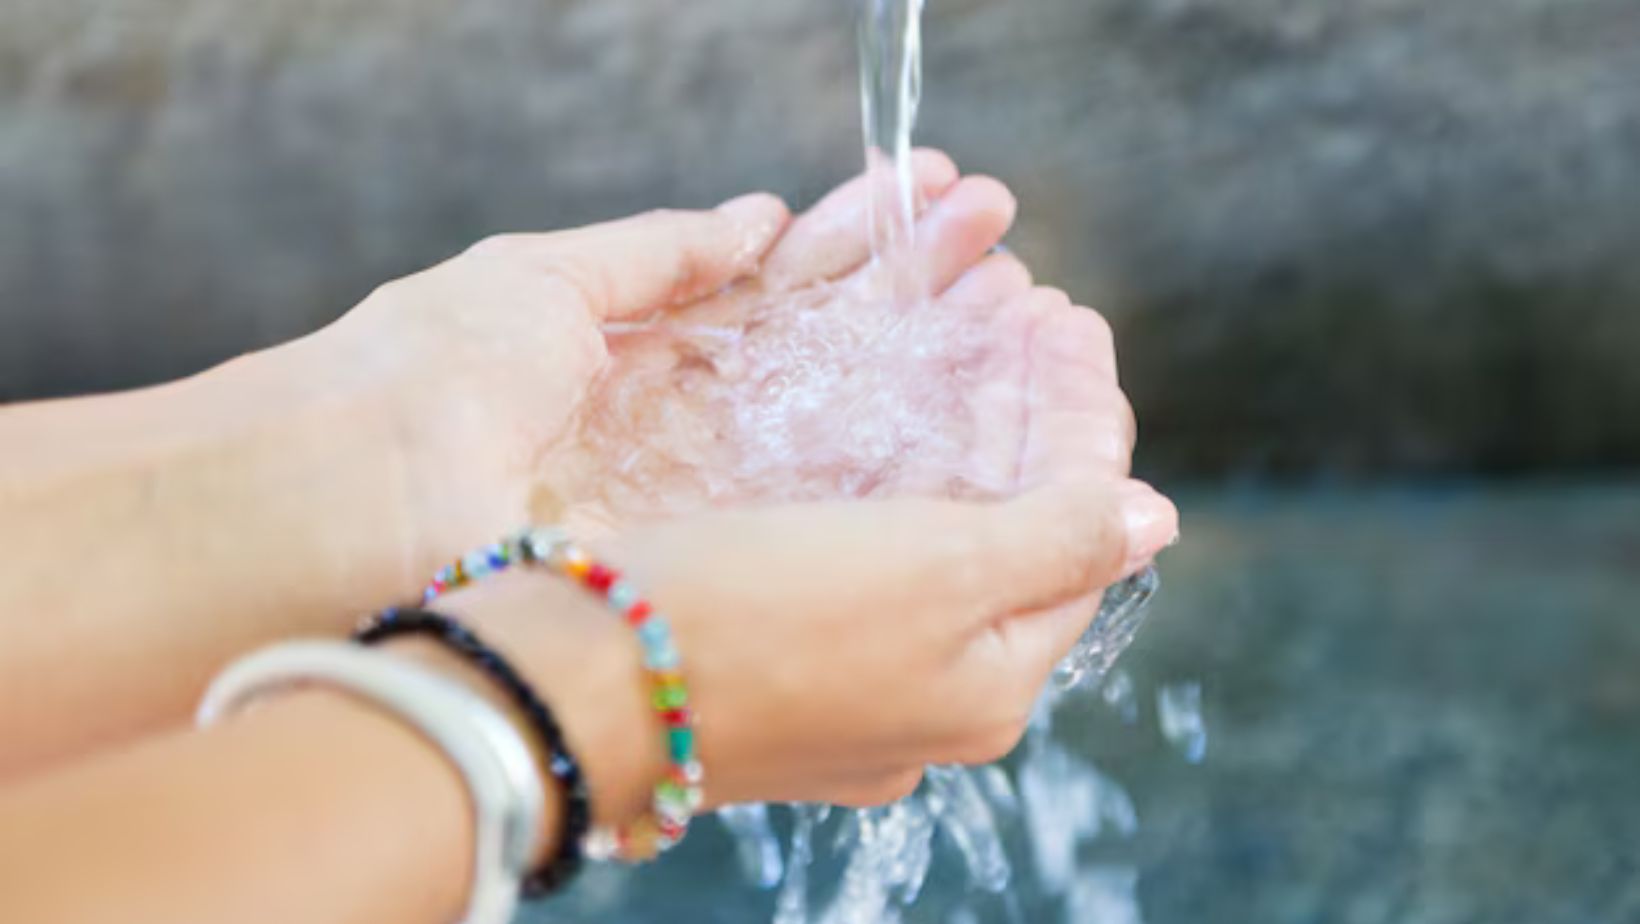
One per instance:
[(1179, 712), (1105, 894), (1120, 612), (955, 797), (848, 389), (792, 905), (756, 846), (1057, 800), (889, 850), (1119, 694), (1068, 802)]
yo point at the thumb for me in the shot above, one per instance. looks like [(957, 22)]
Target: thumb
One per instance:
[(638, 265), (1065, 541)]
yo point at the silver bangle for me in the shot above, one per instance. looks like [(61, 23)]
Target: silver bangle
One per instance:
[(503, 783)]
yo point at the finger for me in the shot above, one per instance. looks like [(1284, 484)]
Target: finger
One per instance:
[(1057, 543), (1079, 419), (960, 228), (991, 282), (987, 299), (831, 239), (639, 265), (987, 559)]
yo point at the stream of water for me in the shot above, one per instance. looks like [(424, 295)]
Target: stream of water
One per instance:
[(848, 388), (885, 854)]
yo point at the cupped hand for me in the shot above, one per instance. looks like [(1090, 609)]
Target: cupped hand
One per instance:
[(831, 649), (486, 358), (810, 380)]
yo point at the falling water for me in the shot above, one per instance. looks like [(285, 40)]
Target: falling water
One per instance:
[(1060, 800), (890, 45), (695, 416)]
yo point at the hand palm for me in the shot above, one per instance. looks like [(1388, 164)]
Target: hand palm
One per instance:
[(807, 382)]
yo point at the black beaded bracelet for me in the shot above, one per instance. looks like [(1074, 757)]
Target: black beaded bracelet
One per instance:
[(576, 817)]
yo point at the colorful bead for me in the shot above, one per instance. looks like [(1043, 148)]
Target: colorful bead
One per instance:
[(681, 744), (599, 577), (576, 563), (638, 612), (622, 595), (678, 795), (662, 657), (601, 844), (544, 544), (475, 565), (656, 632), (673, 812), (670, 697)]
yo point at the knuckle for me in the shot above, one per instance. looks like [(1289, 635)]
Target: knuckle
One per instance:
[(588, 284)]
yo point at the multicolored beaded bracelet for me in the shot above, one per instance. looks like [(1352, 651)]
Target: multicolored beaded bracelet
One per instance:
[(679, 794)]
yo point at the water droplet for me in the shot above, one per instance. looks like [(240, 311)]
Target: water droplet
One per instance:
[(755, 844), (1118, 694), (955, 798), (1179, 709), (792, 904)]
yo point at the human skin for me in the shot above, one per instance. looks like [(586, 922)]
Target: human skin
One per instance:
[(286, 813), (150, 537), (288, 491)]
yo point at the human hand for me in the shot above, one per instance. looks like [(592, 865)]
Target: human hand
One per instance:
[(808, 381), (483, 360), (832, 649)]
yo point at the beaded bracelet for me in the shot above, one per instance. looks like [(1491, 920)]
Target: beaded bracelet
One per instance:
[(576, 817), (679, 794)]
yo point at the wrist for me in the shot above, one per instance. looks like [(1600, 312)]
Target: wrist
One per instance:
[(587, 667), (391, 483), (440, 659)]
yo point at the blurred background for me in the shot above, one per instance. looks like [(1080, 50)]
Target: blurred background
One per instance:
[(1373, 269)]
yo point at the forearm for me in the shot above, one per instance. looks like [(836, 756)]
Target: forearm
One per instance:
[(147, 537), (315, 807), (311, 808)]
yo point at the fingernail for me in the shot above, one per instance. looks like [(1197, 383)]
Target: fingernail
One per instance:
[(1150, 521)]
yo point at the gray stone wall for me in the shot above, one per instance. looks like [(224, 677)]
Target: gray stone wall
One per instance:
[(1337, 235)]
